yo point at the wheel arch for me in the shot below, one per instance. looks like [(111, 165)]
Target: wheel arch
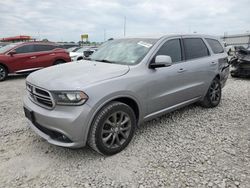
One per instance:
[(217, 76), (131, 103), (5, 66), (129, 100), (79, 58), (59, 59)]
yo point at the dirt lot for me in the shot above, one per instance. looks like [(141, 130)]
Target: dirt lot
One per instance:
[(192, 147)]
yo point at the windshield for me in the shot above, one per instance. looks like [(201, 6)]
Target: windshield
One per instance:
[(73, 49), (81, 50), (123, 51), (7, 47)]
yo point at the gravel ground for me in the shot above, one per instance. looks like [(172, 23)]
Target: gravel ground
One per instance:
[(192, 147)]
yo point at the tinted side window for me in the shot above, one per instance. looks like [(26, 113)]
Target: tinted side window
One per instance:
[(195, 48), (215, 45), (171, 48), (25, 49), (43, 47)]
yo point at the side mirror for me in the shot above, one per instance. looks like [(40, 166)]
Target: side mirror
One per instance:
[(12, 52), (161, 61)]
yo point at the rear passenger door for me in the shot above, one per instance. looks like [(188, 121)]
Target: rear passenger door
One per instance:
[(170, 86), (44, 54), (199, 65)]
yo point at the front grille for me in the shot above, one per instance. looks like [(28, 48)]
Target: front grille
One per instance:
[(244, 66), (40, 96)]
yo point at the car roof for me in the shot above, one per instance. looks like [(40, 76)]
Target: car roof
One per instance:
[(45, 43), (172, 35)]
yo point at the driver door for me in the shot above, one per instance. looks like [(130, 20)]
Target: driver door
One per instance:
[(23, 60)]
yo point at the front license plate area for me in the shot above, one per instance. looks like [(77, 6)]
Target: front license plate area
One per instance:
[(29, 114)]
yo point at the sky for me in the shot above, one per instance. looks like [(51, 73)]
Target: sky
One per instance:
[(66, 20)]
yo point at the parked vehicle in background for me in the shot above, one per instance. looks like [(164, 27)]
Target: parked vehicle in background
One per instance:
[(89, 52), (78, 54), (73, 49), (22, 58), (2, 44), (125, 82), (230, 50), (240, 63), (67, 45), (82, 52)]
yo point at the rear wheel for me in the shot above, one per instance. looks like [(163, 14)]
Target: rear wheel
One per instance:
[(3, 73), (234, 75), (79, 58), (58, 62), (213, 96), (112, 128)]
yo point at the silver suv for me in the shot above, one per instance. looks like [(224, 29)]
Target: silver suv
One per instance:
[(102, 100)]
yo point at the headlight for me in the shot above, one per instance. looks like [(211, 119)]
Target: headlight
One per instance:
[(70, 97)]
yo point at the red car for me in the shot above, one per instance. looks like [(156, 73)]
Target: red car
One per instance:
[(26, 57)]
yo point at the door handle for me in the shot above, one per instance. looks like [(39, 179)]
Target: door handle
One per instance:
[(181, 70), (52, 54), (33, 57)]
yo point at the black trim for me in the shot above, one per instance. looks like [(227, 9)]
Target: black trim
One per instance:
[(183, 56), (209, 54), (53, 134), (182, 53)]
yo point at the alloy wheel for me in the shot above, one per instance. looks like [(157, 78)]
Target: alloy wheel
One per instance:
[(214, 92), (2, 73), (116, 129)]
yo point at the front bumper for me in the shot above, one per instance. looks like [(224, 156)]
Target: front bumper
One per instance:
[(74, 58), (239, 71), (70, 122)]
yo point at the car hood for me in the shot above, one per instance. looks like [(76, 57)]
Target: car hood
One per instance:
[(75, 75)]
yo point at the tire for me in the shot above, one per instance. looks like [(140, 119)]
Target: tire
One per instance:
[(213, 96), (79, 58), (3, 73), (58, 62), (234, 75), (112, 128)]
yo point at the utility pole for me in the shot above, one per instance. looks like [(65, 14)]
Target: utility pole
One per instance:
[(124, 26)]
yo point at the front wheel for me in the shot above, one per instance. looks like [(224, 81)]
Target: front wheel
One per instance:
[(112, 128), (234, 75), (213, 96), (3, 73)]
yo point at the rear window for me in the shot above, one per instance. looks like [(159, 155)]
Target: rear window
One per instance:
[(195, 48), (215, 46), (43, 47)]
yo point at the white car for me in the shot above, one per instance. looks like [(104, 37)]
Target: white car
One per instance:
[(73, 49), (77, 55)]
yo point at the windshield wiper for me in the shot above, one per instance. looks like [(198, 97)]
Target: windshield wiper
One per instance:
[(103, 60)]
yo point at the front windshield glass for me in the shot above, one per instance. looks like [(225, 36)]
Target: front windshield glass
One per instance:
[(123, 51), (7, 47)]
